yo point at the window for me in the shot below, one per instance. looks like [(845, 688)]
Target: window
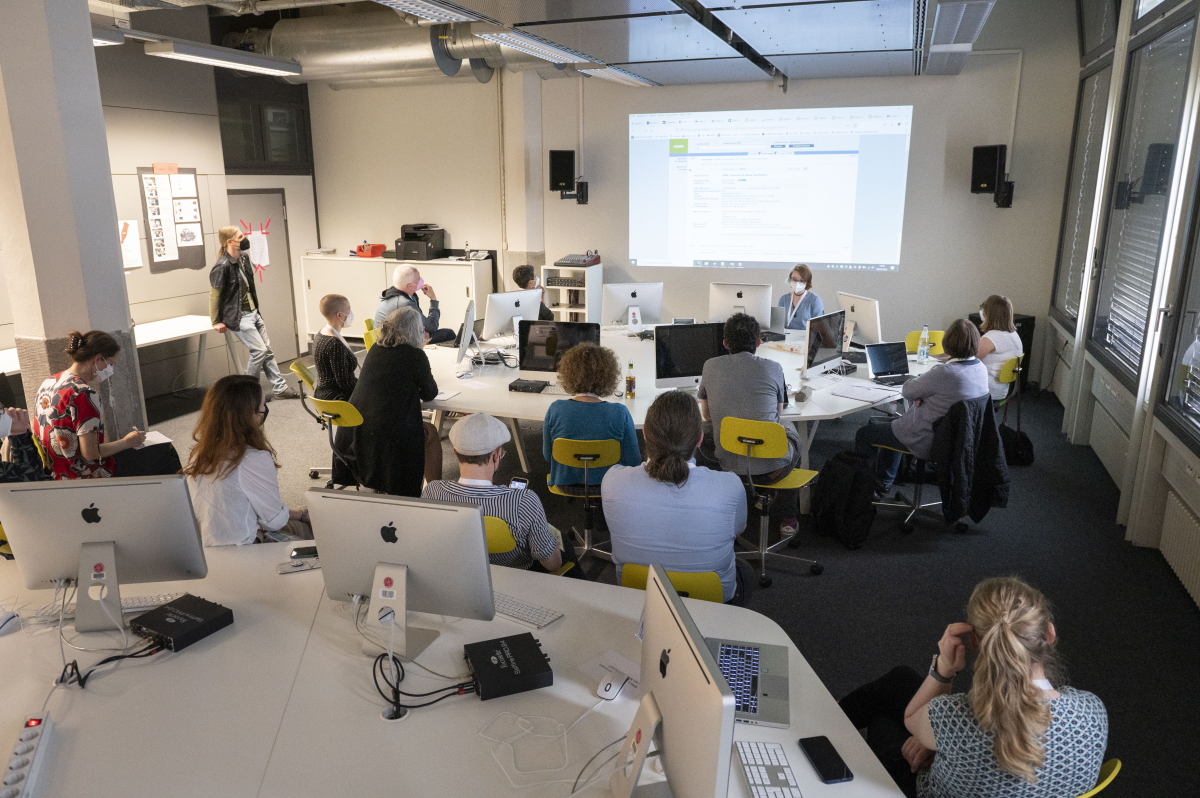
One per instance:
[(239, 132), (284, 138), (1097, 26), (264, 125), (1142, 182), (1144, 7), (1180, 410), (1081, 193)]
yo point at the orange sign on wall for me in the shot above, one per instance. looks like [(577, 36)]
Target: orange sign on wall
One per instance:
[(165, 168)]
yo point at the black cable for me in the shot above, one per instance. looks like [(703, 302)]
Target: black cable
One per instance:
[(394, 699), (148, 651)]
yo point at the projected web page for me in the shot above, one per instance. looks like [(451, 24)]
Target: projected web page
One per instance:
[(755, 189)]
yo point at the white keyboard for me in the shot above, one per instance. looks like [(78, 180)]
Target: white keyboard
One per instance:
[(528, 614), (554, 389), (767, 770), (130, 605)]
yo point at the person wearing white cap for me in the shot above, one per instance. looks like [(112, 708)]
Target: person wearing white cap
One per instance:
[(478, 442)]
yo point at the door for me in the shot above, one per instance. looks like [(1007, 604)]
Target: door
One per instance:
[(262, 215)]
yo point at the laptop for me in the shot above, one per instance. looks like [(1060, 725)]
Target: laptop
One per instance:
[(758, 676), (888, 363), (478, 327), (778, 330)]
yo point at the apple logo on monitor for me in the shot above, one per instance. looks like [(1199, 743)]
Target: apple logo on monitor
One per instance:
[(663, 661), (517, 304), (633, 295), (388, 533), (739, 294), (90, 514)]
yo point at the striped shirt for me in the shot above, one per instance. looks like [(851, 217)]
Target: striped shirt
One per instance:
[(519, 507)]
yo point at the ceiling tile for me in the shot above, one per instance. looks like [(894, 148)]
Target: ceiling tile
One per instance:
[(620, 41), (824, 27), (707, 70), (515, 12), (845, 65)]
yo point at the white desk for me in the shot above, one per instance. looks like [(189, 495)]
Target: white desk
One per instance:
[(282, 702)]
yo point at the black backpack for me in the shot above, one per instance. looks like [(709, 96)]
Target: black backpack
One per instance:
[(843, 500), (1018, 448)]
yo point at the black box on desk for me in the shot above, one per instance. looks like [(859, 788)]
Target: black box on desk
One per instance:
[(508, 665), (186, 620)]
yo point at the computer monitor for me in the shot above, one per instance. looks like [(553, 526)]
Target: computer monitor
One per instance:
[(632, 304), (862, 318), (683, 690), (680, 351), (823, 341), (726, 299), (100, 533), (498, 319), (542, 344), (402, 554), (466, 334)]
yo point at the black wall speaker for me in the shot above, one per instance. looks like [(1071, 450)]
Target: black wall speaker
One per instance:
[(987, 168), (562, 170)]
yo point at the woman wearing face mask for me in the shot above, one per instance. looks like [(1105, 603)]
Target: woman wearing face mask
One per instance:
[(231, 470), (332, 356), (801, 303), (67, 419)]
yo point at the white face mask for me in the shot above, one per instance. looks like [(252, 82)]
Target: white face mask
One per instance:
[(104, 373), (5, 425), (798, 287), (349, 317)]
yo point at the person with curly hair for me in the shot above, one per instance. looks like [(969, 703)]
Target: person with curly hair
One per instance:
[(588, 372)]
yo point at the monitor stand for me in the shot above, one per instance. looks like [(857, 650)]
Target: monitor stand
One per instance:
[(633, 319), (623, 783), (387, 615), (98, 593)]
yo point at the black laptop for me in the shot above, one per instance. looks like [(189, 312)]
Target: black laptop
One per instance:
[(888, 363)]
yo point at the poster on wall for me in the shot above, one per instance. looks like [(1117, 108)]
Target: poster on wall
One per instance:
[(174, 233), (131, 244), (259, 254)]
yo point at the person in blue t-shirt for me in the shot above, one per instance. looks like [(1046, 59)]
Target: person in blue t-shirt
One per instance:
[(801, 303), (588, 372)]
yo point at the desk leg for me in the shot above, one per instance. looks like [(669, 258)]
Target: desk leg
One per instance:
[(200, 360), (436, 420), (808, 433), (516, 433)]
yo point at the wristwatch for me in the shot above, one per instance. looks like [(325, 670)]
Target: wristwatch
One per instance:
[(933, 671)]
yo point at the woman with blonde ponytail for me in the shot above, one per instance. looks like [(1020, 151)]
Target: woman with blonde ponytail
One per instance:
[(668, 511), (1019, 732)]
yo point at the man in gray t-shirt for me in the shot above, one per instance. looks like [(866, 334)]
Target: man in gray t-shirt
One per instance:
[(743, 385)]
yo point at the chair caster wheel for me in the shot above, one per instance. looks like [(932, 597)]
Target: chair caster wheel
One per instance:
[(314, 474), (960, 527), (765, 581), (816, 569), (907, 528)]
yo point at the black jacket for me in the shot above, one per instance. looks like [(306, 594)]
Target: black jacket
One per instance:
[(225, 290), (972, 472)]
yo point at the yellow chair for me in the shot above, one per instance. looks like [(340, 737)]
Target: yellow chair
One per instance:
[(369, 338), (586, 455), (1108, 772), (369, 324), (329, 414), (500, 540), (5, 549), (309, 380), (765, 440), (1010, 371), (703, 585), (935, 341)]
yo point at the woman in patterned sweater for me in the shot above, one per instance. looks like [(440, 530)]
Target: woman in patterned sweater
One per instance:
[(335, 362), (1019, 732)]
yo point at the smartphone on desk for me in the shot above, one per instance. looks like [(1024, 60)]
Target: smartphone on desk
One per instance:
[(303, 552), (519, 482), (825, 760)]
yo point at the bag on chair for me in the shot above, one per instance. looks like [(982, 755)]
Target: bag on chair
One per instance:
[(843, 500), (1018, 448)]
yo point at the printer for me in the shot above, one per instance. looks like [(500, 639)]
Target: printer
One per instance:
[(420, 242)]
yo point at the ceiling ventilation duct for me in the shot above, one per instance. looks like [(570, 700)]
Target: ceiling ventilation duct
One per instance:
[(956, 26)]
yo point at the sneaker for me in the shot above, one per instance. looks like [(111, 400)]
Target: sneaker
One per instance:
[(882, 491), (287, 393), (788, 527)]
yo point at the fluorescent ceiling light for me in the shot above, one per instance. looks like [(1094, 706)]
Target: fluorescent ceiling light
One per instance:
[(530, 45), (619, 76), (431, 10), (223, 57), (104, 36)]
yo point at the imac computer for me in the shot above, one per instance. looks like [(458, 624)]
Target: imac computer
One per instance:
[(687, 708), (680, 351), (466, 334), (542, 344), (823, 342), (632, 304), (862, 318), (502, 308), (401, 555), (726, 299), (100, 533)]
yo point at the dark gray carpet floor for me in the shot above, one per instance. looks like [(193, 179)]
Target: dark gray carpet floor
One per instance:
[(1128, 631)]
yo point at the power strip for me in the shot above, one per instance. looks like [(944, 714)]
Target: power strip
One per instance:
[(20, 779)]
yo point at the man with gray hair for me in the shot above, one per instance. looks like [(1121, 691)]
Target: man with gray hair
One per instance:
[(406, 284)]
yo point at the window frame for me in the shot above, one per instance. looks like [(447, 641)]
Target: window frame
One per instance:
[(1087, 56), (1155, 16), (1055, 312), (1180, 15)]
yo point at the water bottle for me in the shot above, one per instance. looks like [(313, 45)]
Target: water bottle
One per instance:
[(923, 345)]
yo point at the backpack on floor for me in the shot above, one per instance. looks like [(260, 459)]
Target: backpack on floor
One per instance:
[(843, 500), (1018, 448)]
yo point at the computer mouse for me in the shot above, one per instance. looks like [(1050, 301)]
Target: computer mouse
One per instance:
[(8, 622), (610, 686)]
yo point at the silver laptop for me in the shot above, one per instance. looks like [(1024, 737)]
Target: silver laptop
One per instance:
[(779, 319), (758, 676), (888, 363)]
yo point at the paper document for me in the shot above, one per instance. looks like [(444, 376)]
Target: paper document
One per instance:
[(153, 438), (867, 393), (444, 395)]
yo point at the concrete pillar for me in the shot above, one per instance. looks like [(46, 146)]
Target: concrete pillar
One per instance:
[(58, 221), (524, 177)]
